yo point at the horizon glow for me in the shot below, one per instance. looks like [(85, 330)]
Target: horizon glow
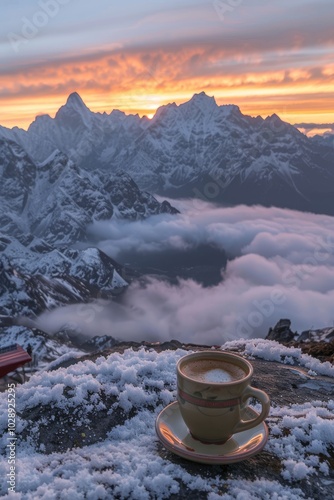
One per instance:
[(265, 57)]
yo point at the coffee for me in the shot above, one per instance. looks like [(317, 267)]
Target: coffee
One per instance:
[(212, 391), (212, 371)]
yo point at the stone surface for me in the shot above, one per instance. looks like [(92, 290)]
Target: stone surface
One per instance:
[(318, 343), (281, 331), (286, 385)]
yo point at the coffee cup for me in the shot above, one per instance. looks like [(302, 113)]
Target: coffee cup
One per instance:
[(213, 388)]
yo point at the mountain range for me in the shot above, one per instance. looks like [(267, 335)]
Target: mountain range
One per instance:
[(45, 208), (194, 149), (66, 172)]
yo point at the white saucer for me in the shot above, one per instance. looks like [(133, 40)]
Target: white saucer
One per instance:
[(175, 436)]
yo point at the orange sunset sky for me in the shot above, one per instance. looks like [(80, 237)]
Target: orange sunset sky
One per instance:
[(266, 57)]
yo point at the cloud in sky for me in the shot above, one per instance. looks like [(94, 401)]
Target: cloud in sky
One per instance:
[(260, 56), (311, 129), (281, 265)]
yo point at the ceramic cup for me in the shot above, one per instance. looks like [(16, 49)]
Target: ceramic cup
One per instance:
[(213, 388)]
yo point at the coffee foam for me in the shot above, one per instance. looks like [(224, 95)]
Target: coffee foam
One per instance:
[(212, 371)]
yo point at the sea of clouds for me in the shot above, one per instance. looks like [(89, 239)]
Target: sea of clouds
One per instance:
[(281, 265)]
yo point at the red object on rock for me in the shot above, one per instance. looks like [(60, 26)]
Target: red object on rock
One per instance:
[(11, 358)]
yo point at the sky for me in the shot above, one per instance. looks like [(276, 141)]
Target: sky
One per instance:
[(266, 57), (280, 265)]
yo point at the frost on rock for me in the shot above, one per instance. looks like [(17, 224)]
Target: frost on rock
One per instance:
[(274, 351), (302, 436), (87, 431)]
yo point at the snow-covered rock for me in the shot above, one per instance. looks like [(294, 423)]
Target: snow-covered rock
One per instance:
[(31, 283), (316, 342), (86, 430)]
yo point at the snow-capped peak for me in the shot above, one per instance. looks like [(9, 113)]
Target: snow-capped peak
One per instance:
[(273, 119), (202, 98), (201, 102), (75, 101), (74, 108)]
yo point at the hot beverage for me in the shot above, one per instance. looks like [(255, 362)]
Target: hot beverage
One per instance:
[(213, 388), (212, 371)]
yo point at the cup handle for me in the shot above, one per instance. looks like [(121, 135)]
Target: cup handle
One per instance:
[(261, 396)]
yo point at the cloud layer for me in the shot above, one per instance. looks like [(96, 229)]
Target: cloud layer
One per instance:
[(281, 265)]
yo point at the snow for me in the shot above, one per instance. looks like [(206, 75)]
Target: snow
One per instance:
[(258, 489), (129, 462), (274, 351), (51, 158), (118, 281), (299, 435)]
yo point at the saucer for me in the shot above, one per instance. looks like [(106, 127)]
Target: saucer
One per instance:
[(175, 436)]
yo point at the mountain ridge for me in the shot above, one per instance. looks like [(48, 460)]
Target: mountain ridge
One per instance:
[(184, 149)]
